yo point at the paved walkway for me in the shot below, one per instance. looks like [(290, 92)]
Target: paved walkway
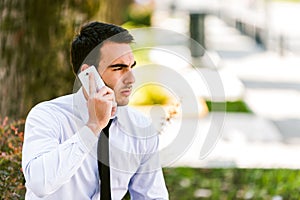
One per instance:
[(247, 141), (270, 86)]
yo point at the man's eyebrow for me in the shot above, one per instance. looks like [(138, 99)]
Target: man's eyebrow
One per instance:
[(122, 65), (134, 63)]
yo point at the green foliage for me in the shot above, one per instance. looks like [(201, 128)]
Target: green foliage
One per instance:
[(11, 177), (151, 94), (139, 15), (193, 183), (229, 106)]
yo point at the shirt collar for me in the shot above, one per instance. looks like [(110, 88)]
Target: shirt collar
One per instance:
[(132, 124)]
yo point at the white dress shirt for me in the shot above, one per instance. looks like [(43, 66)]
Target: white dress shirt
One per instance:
[(60, 159)]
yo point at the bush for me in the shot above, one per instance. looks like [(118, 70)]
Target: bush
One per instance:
[(11, 176)]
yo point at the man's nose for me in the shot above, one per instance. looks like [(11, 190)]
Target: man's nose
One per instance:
[(129, 77)]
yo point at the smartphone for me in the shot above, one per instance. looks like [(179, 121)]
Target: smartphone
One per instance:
[(84, 78)]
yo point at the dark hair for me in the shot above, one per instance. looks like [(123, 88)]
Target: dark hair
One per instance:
[(86, 45)]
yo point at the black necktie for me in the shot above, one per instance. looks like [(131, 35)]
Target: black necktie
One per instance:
[(103, 163)]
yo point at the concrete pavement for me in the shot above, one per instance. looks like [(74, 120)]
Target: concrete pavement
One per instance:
[(268, 138)]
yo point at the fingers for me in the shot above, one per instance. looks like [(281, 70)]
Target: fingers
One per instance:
[(109, 97), (105, 91), (105, 94)]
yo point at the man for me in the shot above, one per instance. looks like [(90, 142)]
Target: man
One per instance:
[(61, 136)]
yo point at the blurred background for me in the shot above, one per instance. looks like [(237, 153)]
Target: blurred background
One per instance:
[(253, 44)]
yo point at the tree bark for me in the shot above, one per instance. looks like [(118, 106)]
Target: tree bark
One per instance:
[(35, 38), (114, 11)]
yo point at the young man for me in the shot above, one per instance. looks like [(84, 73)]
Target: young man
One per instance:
[(61, 136)]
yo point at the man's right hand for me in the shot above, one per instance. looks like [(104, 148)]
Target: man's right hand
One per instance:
[(101, 105)]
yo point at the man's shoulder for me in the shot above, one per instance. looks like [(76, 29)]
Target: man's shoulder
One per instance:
[(54, 105)]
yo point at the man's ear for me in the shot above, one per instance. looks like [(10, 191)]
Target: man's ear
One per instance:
[(84, 67)]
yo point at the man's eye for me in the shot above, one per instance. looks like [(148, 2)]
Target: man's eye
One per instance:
[(117, 68)]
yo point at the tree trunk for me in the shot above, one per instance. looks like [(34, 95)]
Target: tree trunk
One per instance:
[(114, 11), (35, 38)]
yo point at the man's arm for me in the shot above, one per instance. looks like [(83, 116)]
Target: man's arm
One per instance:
[(47, 163)]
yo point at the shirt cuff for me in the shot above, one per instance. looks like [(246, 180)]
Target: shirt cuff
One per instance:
[(87, 137)]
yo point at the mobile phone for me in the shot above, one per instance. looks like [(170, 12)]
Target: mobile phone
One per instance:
[(84, 78)]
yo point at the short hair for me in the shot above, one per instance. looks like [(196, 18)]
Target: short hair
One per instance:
[(85, 48)]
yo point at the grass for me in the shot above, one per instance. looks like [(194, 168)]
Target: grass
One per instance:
[(229, 106), (232, 183)]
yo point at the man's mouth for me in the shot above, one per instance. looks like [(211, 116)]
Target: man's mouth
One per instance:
[(126, 91)]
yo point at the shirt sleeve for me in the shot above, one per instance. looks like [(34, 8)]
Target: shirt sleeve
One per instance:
[(148, 182), (48, 163)]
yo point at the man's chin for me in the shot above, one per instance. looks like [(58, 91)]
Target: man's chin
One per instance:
[(123, 103)]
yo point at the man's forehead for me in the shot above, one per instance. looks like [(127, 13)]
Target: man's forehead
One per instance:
[(111, 51)]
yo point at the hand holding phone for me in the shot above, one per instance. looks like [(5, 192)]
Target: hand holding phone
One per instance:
[(84, 78)]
